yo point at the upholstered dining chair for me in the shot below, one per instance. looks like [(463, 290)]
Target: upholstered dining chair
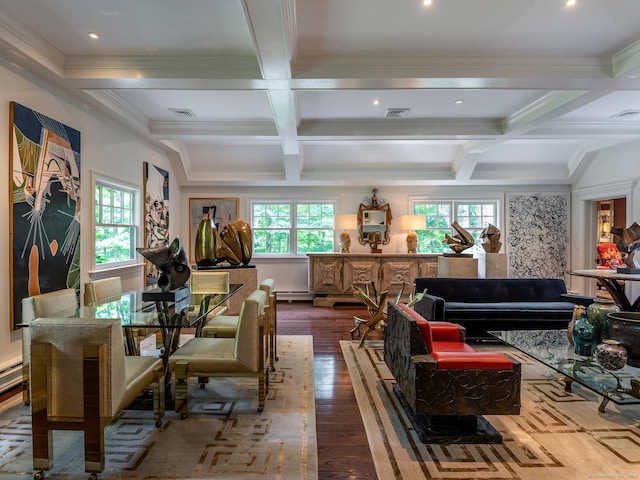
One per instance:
[(82, 380), (108, 289), (101, 290), (240, 356), (225, 326), (203, 284), (58, 302)]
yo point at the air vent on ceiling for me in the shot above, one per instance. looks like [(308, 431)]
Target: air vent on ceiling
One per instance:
[(626, 114), (396, 113), (182, 113)]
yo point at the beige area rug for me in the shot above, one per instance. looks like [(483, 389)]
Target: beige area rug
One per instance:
[(224, 437), (557, 435)]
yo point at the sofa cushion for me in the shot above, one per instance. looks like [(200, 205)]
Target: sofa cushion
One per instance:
[(472, 361), (509, 310)]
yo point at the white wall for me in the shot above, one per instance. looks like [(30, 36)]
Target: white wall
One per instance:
[(105, 147), (291, 274)]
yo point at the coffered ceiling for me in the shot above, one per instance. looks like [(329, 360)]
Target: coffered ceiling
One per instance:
[(284, 92)]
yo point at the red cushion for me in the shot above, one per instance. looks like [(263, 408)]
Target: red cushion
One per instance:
[(445, 331), (472, 361), (452, 347), (423, 325), (607, 252)]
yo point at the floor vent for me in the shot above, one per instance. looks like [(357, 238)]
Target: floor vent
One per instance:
[(396, 113)]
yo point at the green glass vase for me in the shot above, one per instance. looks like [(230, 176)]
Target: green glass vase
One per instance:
[(597, 316)]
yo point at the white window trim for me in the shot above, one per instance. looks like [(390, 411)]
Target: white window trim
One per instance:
[(96, 178)]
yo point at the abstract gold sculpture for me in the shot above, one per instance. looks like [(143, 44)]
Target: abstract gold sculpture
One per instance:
[(460, 241), (491, 239), (234, 245)]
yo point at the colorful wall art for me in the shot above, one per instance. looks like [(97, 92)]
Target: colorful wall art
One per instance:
[(44, 230), (156, 211)]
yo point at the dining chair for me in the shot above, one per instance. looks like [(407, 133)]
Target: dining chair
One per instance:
[(225, 326), (240, 356), (203, 284), (82, 380), (108, 289), (47, 304), (101, 290)]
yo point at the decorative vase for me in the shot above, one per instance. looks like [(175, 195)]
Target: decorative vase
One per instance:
[(625, 327), (597, 316), (583, 341), (611, 354)]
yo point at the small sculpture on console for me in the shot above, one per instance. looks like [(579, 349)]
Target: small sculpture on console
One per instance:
[(491, 239), (460, 241), (234, 245), (629, 243), (172, 263)]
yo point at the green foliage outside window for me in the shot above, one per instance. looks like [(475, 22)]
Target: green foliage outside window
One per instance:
[(115, 230), (275, 227)]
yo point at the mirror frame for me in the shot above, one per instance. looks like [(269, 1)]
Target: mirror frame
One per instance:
[(378, 207)]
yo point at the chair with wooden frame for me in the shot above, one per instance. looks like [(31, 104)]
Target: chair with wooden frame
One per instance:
[(82, 380), (240, 356), (58, 302)]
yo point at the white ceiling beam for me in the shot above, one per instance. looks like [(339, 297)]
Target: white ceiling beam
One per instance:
[(464, 164)]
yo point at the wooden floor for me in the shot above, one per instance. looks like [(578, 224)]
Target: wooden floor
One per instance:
[(343, 450)]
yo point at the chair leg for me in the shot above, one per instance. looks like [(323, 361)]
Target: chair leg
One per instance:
[(261, 392), (182, 388), (158, 387)]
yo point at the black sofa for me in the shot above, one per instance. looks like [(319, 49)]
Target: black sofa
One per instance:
[(484, 304)]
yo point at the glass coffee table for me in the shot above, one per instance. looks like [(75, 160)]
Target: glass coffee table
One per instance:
[(552, 348)]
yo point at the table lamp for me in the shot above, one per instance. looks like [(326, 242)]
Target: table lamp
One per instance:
[(411, 223), (345, 222)]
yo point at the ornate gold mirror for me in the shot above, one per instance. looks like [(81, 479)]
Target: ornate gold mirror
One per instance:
[(374, 220)]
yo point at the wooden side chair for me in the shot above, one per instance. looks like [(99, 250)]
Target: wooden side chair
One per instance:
[(240, 356), (56, 303), (82, 380)]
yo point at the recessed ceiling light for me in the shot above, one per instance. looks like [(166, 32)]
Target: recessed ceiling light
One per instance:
[(459, 101), (427, 3), (570, 3), (376, 102), (94, 35)]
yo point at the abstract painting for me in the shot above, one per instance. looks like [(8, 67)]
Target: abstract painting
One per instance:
[(44, 230), (223, 210), (156, 211)]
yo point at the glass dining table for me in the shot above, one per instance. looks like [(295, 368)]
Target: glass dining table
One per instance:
[(152, 310)]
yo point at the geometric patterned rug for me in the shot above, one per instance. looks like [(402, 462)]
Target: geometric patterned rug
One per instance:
[(224, 436), (557, 435)]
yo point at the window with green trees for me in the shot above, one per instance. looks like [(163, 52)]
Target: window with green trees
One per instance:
[(286, 228), (473, 216), (115, 224)]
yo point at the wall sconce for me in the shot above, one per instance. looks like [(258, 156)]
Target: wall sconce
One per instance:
[(345, 222), (411, 223)]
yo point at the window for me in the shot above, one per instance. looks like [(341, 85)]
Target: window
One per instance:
[(286, 228), (473, 216), (115, 224)]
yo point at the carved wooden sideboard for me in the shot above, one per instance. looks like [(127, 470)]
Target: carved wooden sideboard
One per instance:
[(332, 274)]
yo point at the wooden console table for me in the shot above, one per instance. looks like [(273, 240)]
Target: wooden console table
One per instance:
[(331, 275)]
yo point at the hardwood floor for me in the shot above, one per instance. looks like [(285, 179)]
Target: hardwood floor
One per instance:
[(343, 450)]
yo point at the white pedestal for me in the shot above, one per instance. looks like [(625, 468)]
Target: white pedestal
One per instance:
[(492, 265), (457, 267)]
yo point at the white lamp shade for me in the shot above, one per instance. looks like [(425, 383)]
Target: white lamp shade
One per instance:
[(346, 221), (412, 222)]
